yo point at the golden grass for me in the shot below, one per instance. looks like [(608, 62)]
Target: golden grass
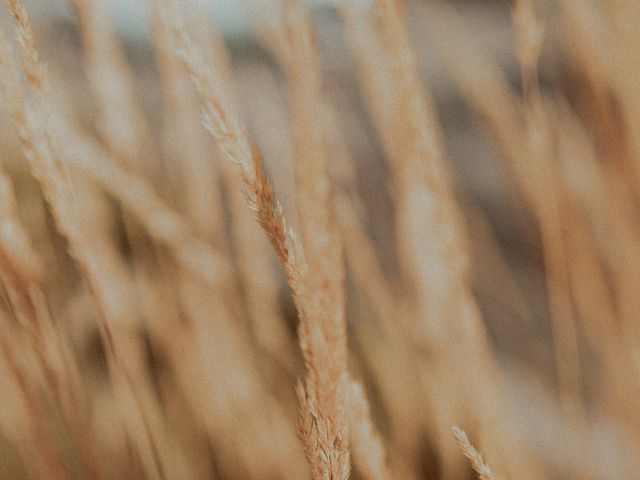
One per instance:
[(477, 462), (146, 330)]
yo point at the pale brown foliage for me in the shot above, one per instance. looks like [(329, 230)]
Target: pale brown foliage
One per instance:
[(146, 330)]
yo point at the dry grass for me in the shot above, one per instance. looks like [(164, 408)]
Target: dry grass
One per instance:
[(213, 289)]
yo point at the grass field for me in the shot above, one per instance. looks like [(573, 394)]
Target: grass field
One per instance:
[(299, 266)]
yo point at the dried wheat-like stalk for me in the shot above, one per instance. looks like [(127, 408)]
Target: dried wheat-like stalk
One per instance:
[(40, 448), (321, 336), (34, 121), (591, 44), (18, 256), (188, 143), (324, 388), (366, 444), (207, 272), (237, 149), (477, 462), (317, 139), (525, 139), (479, 79), (264, 423), (143, 332), (125, 134), (258, 276), (432, 242), (120, 121), (597, 220), (21, 271), (138, 196), (426, 208), (549, 204), (20, 274)]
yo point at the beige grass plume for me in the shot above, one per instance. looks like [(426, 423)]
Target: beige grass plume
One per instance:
[(34, 121), (477, 461), (322, 336)]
